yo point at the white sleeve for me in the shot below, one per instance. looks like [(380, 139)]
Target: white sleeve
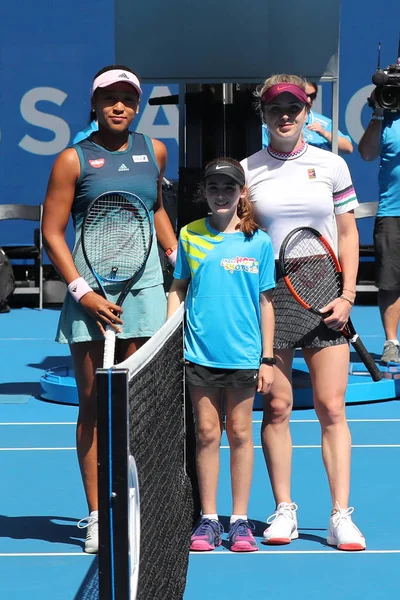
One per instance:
[(344, 194)]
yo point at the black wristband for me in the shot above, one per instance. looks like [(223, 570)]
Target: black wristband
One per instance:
[(268, 360)]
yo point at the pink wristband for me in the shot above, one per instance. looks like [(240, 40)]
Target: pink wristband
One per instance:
[(79, 288), (172, 257)]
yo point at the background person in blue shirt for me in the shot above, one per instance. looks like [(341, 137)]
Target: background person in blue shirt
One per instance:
[(382, 138), (317, 130), (87, 131), (228, 262)]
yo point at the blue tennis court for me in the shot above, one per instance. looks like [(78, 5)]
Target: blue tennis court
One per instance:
[(41, 553)]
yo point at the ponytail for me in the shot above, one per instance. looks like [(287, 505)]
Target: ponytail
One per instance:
[(245, 213)]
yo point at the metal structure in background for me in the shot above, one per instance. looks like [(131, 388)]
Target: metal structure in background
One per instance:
[(223, 41), (218, 73)]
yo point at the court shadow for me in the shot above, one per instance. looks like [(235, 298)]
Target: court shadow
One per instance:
[(313, 537), (50, 362), (62, 530), (18, 392)]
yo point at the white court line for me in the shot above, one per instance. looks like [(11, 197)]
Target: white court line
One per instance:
[(278, 552), (221, 447), (32, 449), (30, 554), (260, 421), (48, 423), (319, 446), (348, 420)]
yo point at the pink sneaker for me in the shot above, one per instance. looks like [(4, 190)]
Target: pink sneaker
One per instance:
[(241, 538), (206, 535)]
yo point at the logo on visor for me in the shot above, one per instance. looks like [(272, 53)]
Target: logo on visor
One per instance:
[(97, 163), (123, 75), (218, 167)]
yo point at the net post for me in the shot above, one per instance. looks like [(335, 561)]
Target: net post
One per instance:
[(113, 459)]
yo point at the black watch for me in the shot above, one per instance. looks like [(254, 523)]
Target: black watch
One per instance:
[(268, 360)]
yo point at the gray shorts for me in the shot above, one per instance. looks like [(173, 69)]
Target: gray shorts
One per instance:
[(297, 327)]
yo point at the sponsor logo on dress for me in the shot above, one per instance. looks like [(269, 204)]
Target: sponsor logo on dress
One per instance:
[(123, 168), (97, 163), (138, 158), (311, 174), (240, 263)]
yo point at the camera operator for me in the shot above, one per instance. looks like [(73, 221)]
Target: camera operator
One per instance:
[(382, 138)]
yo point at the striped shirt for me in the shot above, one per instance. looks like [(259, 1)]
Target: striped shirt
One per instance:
[(304, 188)]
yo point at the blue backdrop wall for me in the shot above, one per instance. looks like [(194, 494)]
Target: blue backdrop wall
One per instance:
[(49, 53)]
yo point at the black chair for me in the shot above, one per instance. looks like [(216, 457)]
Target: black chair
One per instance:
[(24, 250)]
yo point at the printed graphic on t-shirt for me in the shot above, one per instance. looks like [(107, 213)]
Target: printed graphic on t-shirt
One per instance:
[(240, 263)]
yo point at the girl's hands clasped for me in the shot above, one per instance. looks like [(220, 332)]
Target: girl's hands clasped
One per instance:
[(104, 312)]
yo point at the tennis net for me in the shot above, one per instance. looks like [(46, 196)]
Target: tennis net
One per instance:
[(144, 413)]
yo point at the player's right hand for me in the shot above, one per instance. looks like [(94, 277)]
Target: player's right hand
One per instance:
[(104, 312)]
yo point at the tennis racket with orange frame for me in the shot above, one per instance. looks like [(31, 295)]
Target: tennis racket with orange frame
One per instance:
[(313, 276)]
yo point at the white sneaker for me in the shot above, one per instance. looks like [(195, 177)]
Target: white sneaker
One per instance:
[(92, 535), (283, 525), (343, 533)]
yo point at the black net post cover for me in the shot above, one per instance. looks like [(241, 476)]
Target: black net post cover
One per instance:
[(162, 441)]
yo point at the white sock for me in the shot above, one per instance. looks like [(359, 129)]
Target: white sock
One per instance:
[(94, 513), (235, 518), (210, 516), (393, 342)]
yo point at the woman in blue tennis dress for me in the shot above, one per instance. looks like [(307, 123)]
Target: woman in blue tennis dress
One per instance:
[(111, 159)]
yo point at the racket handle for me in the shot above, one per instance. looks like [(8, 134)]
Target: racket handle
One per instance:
[(367, 359), (109, 347)]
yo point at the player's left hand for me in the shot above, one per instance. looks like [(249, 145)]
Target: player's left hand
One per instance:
[(338, 313), (265, 378)]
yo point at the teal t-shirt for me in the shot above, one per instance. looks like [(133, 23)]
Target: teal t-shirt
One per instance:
[(227, 273)]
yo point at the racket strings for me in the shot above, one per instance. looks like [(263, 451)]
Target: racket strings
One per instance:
[(311, 270), (117, 235)]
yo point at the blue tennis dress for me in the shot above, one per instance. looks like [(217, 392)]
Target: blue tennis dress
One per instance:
[(133, 170)]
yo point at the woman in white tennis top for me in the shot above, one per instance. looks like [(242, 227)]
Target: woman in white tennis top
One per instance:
[(293, 184)]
